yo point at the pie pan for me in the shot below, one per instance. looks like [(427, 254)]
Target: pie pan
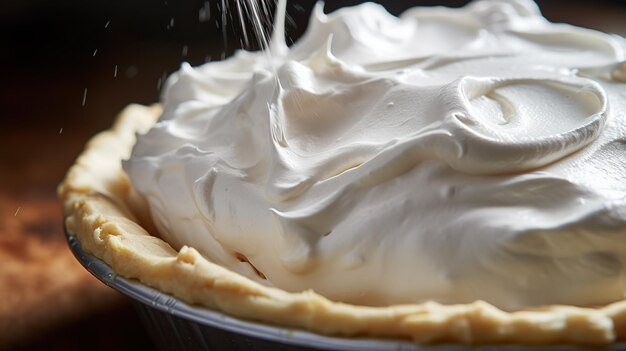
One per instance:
[(175, 325)]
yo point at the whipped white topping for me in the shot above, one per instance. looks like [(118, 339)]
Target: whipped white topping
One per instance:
[(448, 154)]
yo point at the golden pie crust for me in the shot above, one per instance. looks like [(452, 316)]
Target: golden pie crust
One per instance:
[(103, 212)]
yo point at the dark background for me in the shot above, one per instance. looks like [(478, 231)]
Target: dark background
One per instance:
[(50, 52)]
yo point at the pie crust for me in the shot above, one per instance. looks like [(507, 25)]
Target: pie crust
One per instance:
[(103, 212)]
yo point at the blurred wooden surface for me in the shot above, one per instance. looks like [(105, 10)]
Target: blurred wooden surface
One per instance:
[(48, 300), (50, 53)]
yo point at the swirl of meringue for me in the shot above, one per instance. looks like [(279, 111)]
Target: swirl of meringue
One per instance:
[(447, 154)]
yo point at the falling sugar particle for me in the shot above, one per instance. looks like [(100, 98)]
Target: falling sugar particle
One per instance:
[(204, 14), (290, 21), (106, 25), (243, 25), (159, 84), (95, 52), (61, 131), (17, 211), (223, 9), (84, 96), (185, 49), (115, 71), (172, 22)]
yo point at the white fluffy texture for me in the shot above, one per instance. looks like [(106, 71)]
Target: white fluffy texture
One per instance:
[(448, 155)]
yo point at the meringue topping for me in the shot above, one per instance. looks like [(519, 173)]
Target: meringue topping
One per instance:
[(447, 154)]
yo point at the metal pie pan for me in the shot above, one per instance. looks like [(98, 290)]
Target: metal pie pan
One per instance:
[(176, 325)]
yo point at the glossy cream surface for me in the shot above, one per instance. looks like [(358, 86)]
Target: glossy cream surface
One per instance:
[(447, 154)]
